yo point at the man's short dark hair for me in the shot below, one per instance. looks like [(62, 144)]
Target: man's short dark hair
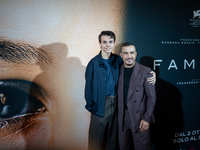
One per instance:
[(107, 33), (127, 44)]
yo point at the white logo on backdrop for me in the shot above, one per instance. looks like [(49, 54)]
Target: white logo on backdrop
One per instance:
[(195, 21), (196, 14)]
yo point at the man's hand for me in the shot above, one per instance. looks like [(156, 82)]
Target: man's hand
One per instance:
[(152, 80), (144, 125)]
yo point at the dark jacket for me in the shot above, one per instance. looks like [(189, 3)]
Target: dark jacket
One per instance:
[(141, 97), (95, 86)]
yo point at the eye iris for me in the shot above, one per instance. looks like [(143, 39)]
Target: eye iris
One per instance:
[(15, 102)]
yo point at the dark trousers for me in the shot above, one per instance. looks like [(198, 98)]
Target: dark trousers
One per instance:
[(129, 140), (103, 132)]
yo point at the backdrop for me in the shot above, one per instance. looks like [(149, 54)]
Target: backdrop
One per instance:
[(166, 35), (46, 45)]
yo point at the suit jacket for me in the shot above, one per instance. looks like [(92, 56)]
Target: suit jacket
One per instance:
[(141, 97)]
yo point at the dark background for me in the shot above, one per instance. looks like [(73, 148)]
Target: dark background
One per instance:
[(148, 25)]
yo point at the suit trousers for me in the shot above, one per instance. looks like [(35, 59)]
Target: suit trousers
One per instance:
[(129, 140), (103, 132)]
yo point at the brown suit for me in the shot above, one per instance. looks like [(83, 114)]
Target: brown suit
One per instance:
[(141, 100)]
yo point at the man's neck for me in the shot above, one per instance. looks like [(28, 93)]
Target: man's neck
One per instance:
[(105, 55)]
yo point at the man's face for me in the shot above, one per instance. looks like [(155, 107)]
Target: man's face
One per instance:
[(107, 44), (128, 54)]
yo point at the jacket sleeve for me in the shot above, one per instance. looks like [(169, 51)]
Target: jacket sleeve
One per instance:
[(89, 87), (151, 98)]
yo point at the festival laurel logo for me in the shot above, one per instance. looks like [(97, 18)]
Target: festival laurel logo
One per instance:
[(195, 21), (196, 14)]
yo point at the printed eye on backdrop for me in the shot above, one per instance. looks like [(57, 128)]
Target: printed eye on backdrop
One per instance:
[(18, 100)]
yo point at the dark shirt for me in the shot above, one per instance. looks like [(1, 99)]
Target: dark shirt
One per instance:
[(127, 76), (110, 84), (96, 79)]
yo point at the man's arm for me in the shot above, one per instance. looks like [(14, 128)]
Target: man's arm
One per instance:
[(88, 87), (150, 104)]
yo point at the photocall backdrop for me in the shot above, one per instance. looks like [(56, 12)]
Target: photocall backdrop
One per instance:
[(167, 37), (46, 45)]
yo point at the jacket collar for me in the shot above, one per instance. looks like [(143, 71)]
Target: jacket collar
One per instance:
[(134, 80), (100, 60)]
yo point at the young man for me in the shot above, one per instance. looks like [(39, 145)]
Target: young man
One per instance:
[(136, 102), (102, 74)]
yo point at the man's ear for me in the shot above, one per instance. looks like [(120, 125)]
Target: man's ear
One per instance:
[(100, 45), (120, 54)]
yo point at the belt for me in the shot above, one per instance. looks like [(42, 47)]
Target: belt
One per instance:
[(111, 97)]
